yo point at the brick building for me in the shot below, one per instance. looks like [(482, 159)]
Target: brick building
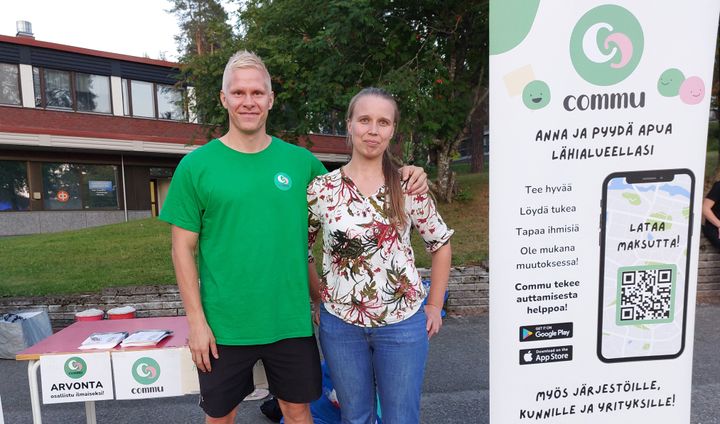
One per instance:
[(90, 137)]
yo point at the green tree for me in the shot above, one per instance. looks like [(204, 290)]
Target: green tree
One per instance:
[(205, 42), (449, 62), (203, 25), (432, 55)]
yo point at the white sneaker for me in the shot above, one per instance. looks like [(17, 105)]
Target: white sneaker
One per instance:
[(257, 394)]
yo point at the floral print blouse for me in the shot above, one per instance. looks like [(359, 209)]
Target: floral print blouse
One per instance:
[(369, 277)]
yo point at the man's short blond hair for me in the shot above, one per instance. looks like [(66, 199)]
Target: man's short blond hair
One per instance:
[(244, 59)]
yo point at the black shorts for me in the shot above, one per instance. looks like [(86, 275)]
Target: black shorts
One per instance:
[(292, 367)]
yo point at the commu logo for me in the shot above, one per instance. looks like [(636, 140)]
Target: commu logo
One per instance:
[(75, 367), (146, 370), (283, 181), (606, 45)]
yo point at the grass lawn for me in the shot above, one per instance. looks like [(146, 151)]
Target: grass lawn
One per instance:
[(469, 219), (138, 252), (133, 253)]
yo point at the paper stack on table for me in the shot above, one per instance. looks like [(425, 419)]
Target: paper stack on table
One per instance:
[(145, 338), (103, 340)]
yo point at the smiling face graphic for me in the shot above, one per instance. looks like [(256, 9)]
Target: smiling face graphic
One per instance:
[(670, 81), (536, 95), (692, 91)]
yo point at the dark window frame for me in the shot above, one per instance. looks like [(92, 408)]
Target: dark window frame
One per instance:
[(118, 187), (73, 91), (28, 187), (183, 96), (110, 93), (126, 86), (19, 86)]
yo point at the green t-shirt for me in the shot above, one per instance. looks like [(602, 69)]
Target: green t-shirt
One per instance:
[(250, 210)]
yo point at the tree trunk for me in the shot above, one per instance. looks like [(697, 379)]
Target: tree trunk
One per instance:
[(445, 175), (477, 137)]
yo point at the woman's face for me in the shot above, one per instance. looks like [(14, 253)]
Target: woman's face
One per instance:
[(371, 126)]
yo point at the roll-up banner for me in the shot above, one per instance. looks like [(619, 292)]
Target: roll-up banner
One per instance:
[(598, 131)]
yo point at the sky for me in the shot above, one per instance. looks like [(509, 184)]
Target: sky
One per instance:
[(132, 27)]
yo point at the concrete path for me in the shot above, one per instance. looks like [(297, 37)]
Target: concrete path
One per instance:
[(455, 390)]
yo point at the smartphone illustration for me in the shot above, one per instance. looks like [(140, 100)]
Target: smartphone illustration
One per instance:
[(645, 234)]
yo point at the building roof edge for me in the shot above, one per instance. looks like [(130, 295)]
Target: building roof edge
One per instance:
[(27, 41)]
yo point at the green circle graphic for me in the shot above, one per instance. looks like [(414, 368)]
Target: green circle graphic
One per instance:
[(606, 45), (282, 181), (670, 82), (510, 23), (536, 95), (146, 370), (75, 367)]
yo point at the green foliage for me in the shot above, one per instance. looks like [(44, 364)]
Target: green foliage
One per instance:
[(204, 73), (203, 27), (431, 55), (206, 41), (464, 195)]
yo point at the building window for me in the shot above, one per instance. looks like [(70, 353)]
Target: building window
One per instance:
[(142, 99), (161, 172), (170, 103), (71, 90), (14, 193), (76, 186), (93, 93), (37, 87), (58, 90), (9, 84), (149, 100)]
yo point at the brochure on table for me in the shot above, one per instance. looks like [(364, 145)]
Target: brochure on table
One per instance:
[(76, 378), (147, 373), (598, 118), (103, 340), (145, 338)]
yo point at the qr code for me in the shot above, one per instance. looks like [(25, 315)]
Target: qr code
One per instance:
[(646, 294)]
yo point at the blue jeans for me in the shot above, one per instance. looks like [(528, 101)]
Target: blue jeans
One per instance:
[(392, 356)]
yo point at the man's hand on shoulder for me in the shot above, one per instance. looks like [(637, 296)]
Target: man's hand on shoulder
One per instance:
[(416, 178)]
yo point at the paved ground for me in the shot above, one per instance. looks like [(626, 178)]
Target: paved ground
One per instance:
[(455, 391)]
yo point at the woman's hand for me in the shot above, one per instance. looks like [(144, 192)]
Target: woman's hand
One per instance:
[(434, 320)]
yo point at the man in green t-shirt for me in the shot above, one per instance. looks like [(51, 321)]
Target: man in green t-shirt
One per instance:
[(240, 202)]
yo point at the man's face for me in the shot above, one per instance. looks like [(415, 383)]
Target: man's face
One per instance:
[(247, 100)]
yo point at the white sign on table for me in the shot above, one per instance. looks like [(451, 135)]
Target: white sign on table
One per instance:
[(147, 373), (76, 377), (188, 372)]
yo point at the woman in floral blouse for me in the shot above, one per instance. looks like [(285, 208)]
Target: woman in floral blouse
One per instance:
[(374, 330)]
